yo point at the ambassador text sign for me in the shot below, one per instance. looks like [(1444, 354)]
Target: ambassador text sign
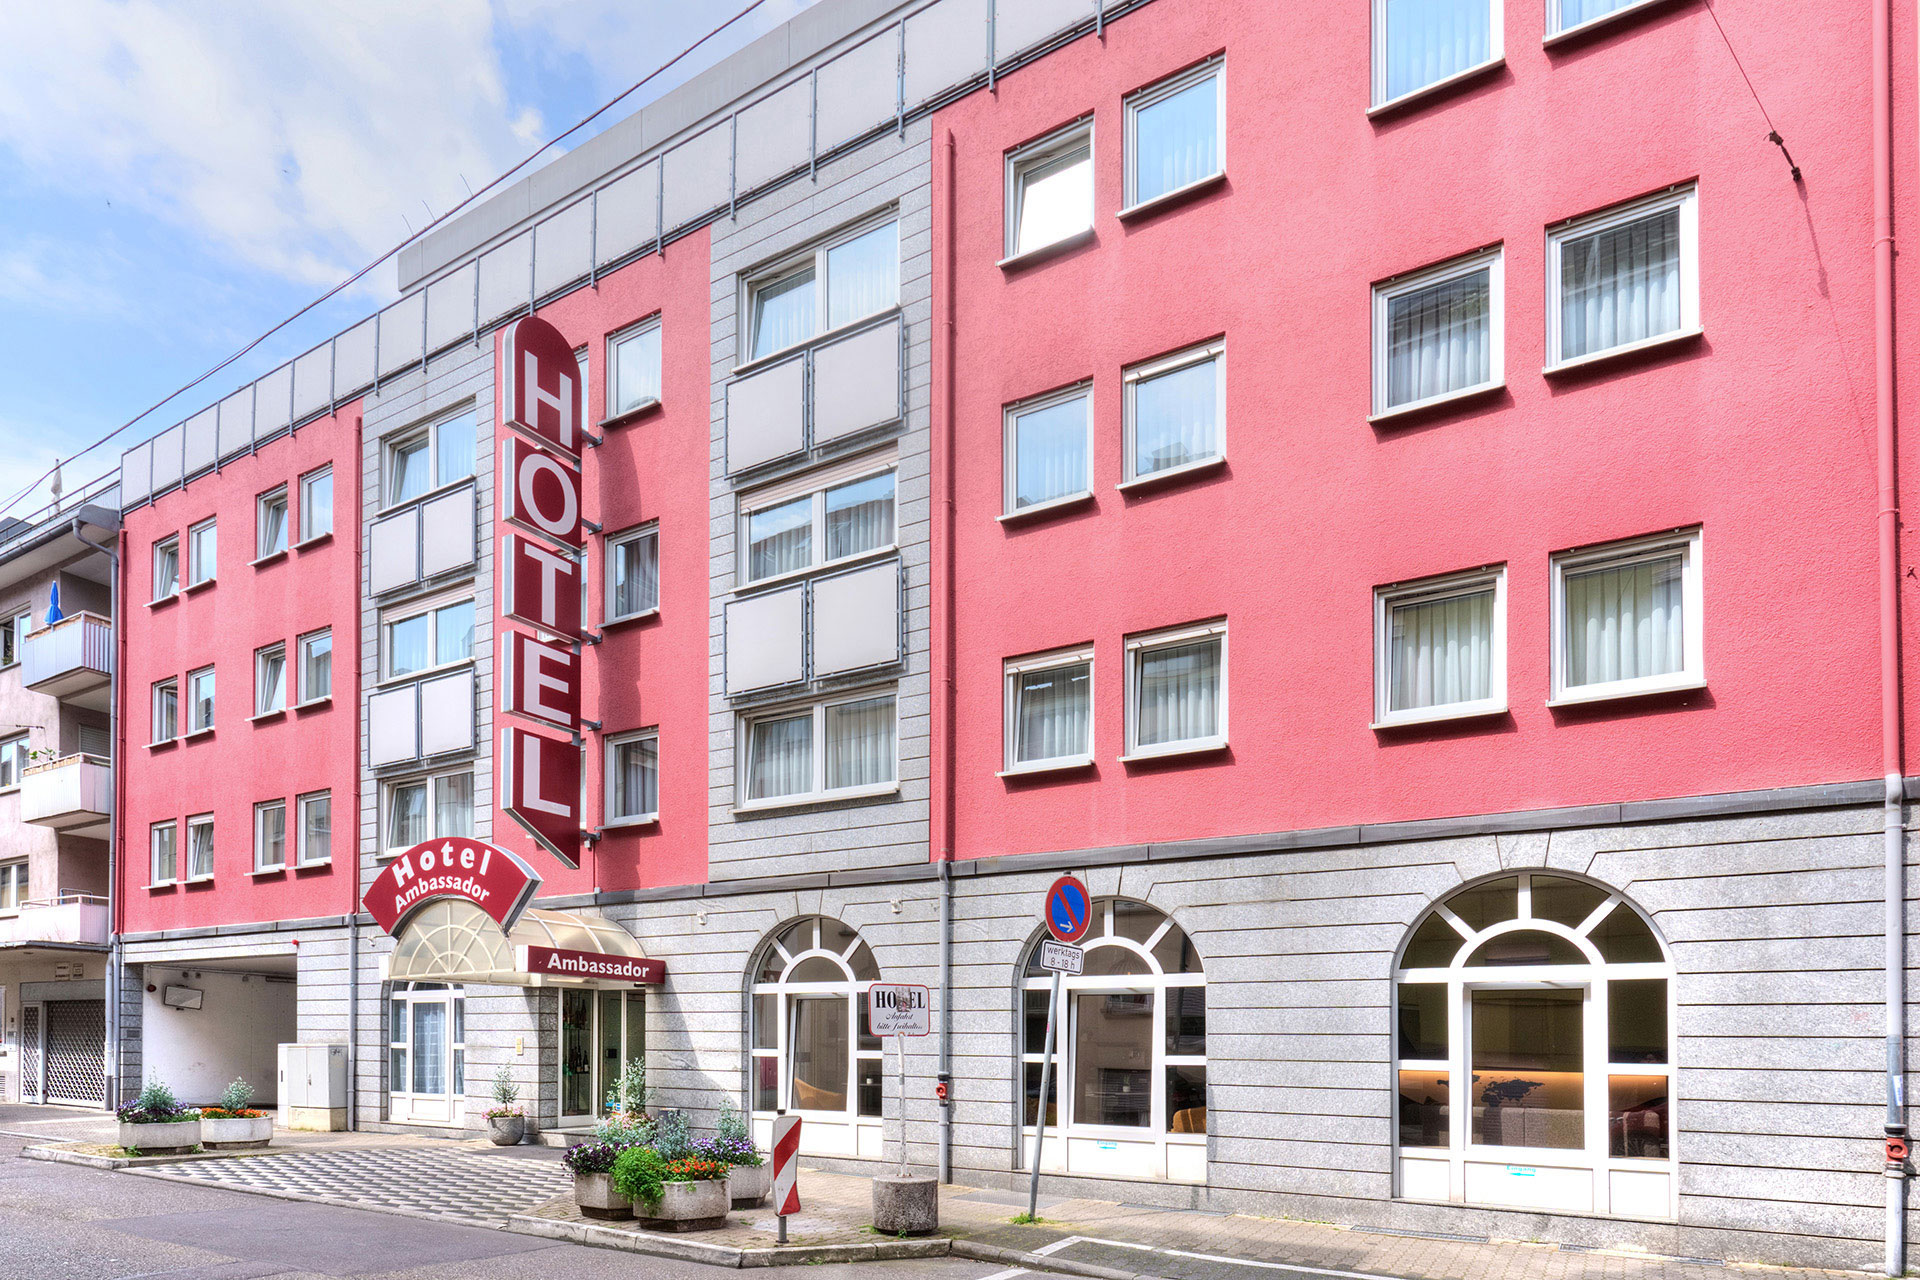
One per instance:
[(558, 962)]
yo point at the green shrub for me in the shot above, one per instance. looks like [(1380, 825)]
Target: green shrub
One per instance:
[(638, 1174), (238, 1096)]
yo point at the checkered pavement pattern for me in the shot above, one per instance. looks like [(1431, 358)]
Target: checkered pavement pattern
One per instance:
[(454, 1185)]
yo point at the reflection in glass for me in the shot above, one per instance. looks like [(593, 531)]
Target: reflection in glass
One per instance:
[(1055, 199), (1035, 1021), (1050, 452), (1637, 1020), (780, 539), (1487, 904), (576, 1053), (766, 1077), (1033, 1093), (863, 275), (1563, 901), (1112, 1059), (1527, 947), (859, 516), (765, 1016), (783, 313), (1186, 1021), (1624, 938), (870, 1092), (1433, 944), (818, 1043), (1177, 140), (1423, 1109), (430, 1047), (1637, 1117), (1527, 1069), (1176, 418), (1186, 1099), (1423, 1020)]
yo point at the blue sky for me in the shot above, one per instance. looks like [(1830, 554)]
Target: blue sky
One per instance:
[(177, 176)]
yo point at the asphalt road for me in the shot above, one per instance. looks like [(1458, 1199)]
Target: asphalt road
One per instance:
[(62, 1222)]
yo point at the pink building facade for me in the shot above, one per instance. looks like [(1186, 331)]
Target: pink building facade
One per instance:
[(1385, 498)]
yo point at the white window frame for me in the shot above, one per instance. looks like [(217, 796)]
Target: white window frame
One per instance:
[(195, 575), (1214, 69), (617, 541), (610, 758), (308, 533), (1010, 453), (1557, 32), (274, 496), (851, 985), (170, 685), (169, 543), (304, 856), (1692, 675), (1146, 371), (432, 783), (172, 827), (619, 339), (14, 881), (1023, 160), (430, 610), (192, 676), (260, 811), (307, 698), (195, 823), (1493, 261), (814, 259), (1149, 641), (815, 489), (1686, 199), (260, 656), (429, 431), (1430, 590), (13, 754), (818, 792), (1496, 54), (1052, 660)]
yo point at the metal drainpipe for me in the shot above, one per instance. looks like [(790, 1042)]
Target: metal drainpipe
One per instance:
[(111, 1048), (353, 880), (944, 602), (1892, 757)]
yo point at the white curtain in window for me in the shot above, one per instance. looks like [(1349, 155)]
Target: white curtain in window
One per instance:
[(1177, 140), (1625, 622), (1438, 339), (1176, 418), (165, 867), (454, 447), (166, 713), (316, 841), (1441, 651), (1575, 12), (316, 681), (407, 646), (860, 516), (273, 526), (637, 778), (200, 849), (863, 275), (780, 757), (316, 506), (637, 369), (1050, 453), (13, 757), (1620, 285), (1056, 199), (780, 539), (453, 633), (453, 805), (407, 815), (407, 477), (272, 694), (1429, 40), (202, 693), (1177, 694), (273, 836), (205, 549), (783, 313), (636, 575), (1052, 713), (429, 1047), (860, 743), (166, 571)]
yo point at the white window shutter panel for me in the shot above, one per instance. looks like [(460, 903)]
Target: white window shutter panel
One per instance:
[(856, 619), (394, 548), (393, 723), (447, 532), (765, 641), (446, 713), (765, 414), (856, 382)]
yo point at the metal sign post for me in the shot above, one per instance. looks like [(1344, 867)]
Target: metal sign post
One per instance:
[(900, 1010), (1068, 914), (1040, 1105)]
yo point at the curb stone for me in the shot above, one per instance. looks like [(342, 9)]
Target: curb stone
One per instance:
[(593, 1233)]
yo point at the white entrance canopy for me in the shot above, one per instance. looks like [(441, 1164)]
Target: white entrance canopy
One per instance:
[(453, 940)]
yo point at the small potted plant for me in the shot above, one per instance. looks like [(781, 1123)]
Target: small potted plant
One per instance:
[(687, 1194), (591, 1164), (506, 1122), (234, 1125), (749, 1176), (156, 1124)]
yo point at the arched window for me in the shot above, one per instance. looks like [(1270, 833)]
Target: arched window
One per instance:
[(1131, 1049), (426, 1052), (812, 1051), (1549, 996)]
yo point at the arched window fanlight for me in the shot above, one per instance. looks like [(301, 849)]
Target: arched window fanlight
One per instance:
[(812, 1050)]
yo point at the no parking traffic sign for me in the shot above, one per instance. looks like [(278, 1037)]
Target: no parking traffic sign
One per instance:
[(1069, 910)]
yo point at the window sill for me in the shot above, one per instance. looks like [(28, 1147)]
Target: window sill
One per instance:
[(261, 873), (1199, 747), (817, 797), (634, 414), (418, 498), (313, 866), (198, 880), (265, 716), (424, 673), (318, 539), (201, 585), (1414, 97), (825, 335), (163, 884), (1172, 474), (629, 824), (826, 566), (162, 602), (1066, 764), (1434, 404), (1580, 364), (1615, 693), (1568, 35), (7, 791), (1437, 715), (268, 558), (1049, 507), (1015, 262), (626, 619), (196, 733), (1145, 208), (163, 744), (311, 704)]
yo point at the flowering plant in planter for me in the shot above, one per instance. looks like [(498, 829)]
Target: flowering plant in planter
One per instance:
[(506, 1121), (643, 1174), (234, 1124), (749, 1177), (236, 1103), (732, 1152), (156, 1105), (592, 1157)]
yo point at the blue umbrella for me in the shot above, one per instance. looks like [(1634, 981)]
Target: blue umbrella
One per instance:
[(53, 605)]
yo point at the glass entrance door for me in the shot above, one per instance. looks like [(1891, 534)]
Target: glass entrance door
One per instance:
[(1528, 1138), (600, 1032)]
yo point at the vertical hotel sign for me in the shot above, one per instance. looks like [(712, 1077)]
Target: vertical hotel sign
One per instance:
[(540, 580)]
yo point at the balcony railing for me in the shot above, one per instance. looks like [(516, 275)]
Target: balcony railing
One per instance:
[(71, 660), (73, 793), (70, 918)]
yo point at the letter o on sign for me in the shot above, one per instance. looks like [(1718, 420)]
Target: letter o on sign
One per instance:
[(548, 496)]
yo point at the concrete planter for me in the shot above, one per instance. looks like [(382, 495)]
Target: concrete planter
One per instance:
[(161, 1139), (595, 1195), (506, 1131), (687, 1206), (747, 1185), (237, 1134)]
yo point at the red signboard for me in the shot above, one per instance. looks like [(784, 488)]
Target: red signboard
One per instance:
[(558, 962), (543, 681), (541, 491), (494, 880), (542, 586), (541, 779), (543, 392)]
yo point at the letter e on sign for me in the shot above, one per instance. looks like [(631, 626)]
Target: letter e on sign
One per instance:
[(543, 394), (543, 681), (542, 491)]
